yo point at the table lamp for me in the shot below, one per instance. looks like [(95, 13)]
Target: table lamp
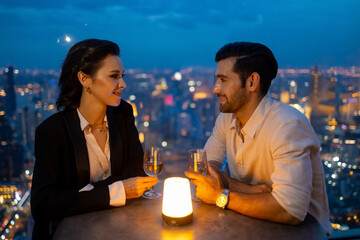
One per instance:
[(177, 207)]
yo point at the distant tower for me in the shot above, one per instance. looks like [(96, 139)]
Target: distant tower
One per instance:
[(10, 103), (11, 154), (315, 85), (335, 89), (293, 91)]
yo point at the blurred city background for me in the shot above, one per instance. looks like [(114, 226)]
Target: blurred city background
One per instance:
[(168, 51)]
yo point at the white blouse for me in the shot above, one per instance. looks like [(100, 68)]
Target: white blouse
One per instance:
[(99, 162)]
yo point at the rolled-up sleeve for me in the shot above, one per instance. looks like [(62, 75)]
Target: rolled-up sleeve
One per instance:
[(291, 148), (216, 144)]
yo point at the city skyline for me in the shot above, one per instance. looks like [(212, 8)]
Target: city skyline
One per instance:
[(176, 111), (179, 34)]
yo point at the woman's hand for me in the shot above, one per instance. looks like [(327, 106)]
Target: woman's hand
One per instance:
[(134, 187)]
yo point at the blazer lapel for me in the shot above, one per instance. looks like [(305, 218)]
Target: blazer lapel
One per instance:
[(81, 154), (115, 141)]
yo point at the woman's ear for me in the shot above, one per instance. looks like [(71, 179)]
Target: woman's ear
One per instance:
[(84, 79)]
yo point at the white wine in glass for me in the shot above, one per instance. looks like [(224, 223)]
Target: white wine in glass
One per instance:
[(153, 165), (197, 163)]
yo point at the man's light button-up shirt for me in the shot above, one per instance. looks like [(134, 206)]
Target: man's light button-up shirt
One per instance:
[(279, 148)]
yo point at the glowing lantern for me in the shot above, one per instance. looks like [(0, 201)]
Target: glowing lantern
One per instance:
[(177, 207)]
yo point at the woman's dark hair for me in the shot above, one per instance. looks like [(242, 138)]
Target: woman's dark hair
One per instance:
[(85, 56), (251, 57)]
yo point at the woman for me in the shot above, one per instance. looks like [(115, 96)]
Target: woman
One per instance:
[(88, 156)]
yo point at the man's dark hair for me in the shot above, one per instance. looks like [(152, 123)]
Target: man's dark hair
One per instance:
[(85, 56), (251, 57)]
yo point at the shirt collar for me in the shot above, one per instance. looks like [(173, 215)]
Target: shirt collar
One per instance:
[(256, 118), (84, 123)]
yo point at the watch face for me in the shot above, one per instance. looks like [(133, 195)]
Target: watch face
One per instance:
[(221, 200)]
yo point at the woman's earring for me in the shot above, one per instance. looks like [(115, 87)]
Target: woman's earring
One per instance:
[(87, 89)]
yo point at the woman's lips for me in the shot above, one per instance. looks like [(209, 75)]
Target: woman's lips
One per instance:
[(118, 94)]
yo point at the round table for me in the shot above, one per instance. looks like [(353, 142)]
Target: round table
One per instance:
[(141, 219)]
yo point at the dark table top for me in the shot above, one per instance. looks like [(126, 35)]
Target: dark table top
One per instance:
[(141, 219)]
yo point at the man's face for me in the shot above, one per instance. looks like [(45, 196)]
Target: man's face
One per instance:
[(228, 88)]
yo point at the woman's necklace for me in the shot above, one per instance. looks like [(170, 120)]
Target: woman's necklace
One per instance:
[(99, 126)]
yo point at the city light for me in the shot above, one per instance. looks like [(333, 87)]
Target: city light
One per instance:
[(191, 83), (177, 76), (141, 137), (350, 141)]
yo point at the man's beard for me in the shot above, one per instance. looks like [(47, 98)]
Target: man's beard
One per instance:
[(237, 100)]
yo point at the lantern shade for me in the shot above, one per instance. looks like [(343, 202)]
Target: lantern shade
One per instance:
[(177, 206)]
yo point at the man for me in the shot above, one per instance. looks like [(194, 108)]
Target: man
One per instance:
[(276, 172)]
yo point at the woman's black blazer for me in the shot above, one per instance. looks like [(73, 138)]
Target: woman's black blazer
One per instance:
[(62, 166)]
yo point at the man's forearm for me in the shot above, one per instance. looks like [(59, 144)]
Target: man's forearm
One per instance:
[(262, 206), (240, 187), (235, 185), (258, 203)]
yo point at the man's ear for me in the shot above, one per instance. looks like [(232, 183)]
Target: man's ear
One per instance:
[(84, 79), (254, 82)]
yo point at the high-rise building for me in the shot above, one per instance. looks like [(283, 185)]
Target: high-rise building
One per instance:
[(315, 88), (11, 153), (9, 87)]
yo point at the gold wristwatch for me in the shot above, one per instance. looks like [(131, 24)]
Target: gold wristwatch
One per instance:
[(223, 199)]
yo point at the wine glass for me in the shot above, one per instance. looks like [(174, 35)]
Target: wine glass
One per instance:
[(197, 163), (153, 165)]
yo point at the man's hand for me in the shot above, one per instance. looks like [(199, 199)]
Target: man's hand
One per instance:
[(134, 187), (207, 186)]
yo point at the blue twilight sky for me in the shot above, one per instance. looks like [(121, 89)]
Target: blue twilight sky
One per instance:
[(180, 33)]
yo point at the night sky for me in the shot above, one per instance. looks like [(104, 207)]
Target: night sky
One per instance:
[(180, 33)]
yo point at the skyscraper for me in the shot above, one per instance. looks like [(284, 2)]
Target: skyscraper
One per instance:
[(315, 88), (11, 154), (10, 103)]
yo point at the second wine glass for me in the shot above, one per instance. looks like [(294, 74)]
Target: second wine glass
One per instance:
[(153, 165), (197, 163)]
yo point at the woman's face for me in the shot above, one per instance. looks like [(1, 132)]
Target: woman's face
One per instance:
[(108, 83)]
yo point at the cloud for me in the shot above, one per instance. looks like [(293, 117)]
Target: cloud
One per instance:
[(204, 25)]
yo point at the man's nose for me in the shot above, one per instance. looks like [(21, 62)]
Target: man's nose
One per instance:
[(217, 88)]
